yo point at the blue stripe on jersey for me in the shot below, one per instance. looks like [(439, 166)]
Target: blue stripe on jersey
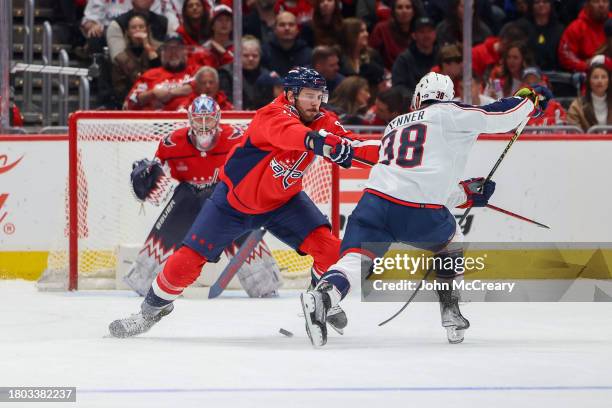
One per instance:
[(501, 106), (243, 160)]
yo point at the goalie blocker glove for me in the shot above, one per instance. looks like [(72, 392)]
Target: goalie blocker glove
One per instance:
[(337, 149), (145, 177), (478, 192)]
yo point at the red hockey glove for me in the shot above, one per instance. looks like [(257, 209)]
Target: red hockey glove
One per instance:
[(478, 195)]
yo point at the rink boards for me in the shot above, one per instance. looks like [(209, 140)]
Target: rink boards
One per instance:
[(559, 180)]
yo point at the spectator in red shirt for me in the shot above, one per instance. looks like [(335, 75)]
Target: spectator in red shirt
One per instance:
[(584, 36), (554, 114), (488, 54), (220, 45), (326, 25), (162, 88), (393, 36), (195, 27), (389, 104), (206, 81)]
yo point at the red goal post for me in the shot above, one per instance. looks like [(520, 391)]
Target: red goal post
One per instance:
[(90, 130)]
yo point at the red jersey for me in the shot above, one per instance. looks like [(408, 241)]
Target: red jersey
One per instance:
[(188, 164), (158, 77), (265, 170)]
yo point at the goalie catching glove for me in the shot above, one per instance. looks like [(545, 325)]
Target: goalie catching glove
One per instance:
[(148, 181), (477, 191), (337, 149)]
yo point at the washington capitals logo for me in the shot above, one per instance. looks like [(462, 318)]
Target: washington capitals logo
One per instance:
[(289, 172)]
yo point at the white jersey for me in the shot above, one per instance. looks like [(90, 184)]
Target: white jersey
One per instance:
[(423, 154)]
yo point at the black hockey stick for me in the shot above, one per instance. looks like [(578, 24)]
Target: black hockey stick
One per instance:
[(517, 133), (409, 300), (236, 262)]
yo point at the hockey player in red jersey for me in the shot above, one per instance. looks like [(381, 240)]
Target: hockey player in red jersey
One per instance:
[(261, 186), (193, 156)]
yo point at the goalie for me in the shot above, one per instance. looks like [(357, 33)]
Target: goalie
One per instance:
[(193, 156)]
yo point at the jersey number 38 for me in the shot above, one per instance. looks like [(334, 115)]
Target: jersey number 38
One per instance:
[(405, 146)]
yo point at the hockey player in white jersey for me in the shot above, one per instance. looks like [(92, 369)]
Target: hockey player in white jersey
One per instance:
[(421, 158)]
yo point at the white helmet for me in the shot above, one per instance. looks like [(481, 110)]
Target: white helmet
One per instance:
[(433, 87)]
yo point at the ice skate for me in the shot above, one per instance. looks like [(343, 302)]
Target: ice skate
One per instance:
[(139, 323), (315, 304), (336, 317), (451, 316)]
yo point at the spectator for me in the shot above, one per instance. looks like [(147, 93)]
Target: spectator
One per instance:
[(269, 86), (373, 11), (554, 114), (206, 81), (394, 35), (163, 88), (604, 53), (450, 60), (195, 27), (450, 30), (326, 61), (516, 58), (584, 36), (488, 54), (286, 50), (350, 100), (139, 55), (326, 25), (544, 32), (412, 64), (389, 104), (594, 107), (357, 57), (260, 21), (220, 45), (173, 11), (301, 9), (115, 33), (97, 16), (478, 97), (251, 71)]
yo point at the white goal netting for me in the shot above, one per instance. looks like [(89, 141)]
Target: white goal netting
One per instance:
[(103, 215)]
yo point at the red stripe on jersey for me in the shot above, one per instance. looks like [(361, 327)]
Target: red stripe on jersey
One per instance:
[(402, 202)]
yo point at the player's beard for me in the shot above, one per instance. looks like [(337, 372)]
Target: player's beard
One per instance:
[(307, 115)]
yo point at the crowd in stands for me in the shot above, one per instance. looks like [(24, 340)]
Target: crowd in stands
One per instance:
[(162, 53)]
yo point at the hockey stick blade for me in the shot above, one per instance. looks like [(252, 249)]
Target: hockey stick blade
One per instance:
[(236, 263), (520, 217)]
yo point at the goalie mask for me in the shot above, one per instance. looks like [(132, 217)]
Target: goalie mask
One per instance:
[(433, 87), (204, 116)]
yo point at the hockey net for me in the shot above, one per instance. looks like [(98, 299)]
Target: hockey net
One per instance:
[(102, 215)]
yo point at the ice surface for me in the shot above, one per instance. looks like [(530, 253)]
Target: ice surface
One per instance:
[(228, 353)]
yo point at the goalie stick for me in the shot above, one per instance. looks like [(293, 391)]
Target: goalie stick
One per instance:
[(236, 262)]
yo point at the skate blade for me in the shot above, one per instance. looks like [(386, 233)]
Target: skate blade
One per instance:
[(315, 334), (337, 329), (455, 336)]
